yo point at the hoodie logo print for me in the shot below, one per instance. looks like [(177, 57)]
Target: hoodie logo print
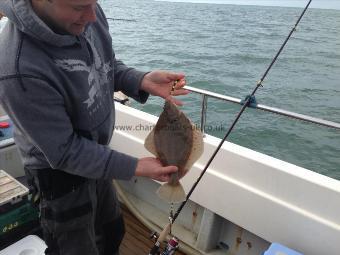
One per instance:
[(98, 73)]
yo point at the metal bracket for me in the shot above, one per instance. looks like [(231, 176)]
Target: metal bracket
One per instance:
[(252, 101)]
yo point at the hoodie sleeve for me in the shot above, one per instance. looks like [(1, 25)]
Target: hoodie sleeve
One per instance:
[(128, 80), (40, 115)]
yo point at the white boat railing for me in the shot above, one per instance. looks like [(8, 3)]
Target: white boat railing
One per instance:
[(206, 94)]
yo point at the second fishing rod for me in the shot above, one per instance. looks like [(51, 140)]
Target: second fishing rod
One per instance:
[(246, 103)]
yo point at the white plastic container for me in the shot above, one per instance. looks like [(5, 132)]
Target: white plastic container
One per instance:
[(30, 245)]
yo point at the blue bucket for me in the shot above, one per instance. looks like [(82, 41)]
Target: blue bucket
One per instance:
[(279, 249)]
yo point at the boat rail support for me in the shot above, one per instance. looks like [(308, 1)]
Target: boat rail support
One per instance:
[(204, 113)]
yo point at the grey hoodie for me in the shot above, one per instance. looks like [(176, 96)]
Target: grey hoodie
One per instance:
[(58, 91)]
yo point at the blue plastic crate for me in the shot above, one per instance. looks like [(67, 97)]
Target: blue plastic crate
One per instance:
[(279, 249)]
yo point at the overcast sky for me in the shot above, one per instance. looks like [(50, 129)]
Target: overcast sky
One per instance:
[(325, 4)]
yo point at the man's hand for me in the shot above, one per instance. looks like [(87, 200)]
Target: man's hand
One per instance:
[(165, 84), (152, 168)]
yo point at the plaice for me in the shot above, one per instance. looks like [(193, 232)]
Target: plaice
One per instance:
[(175, 141)]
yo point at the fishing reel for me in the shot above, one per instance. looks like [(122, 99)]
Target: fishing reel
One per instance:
[(170, 247)]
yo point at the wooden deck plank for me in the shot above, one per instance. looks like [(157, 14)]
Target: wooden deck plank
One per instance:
[(137, 237)]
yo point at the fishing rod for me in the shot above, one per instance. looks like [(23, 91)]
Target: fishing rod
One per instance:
[(247, 101), (129, 20)]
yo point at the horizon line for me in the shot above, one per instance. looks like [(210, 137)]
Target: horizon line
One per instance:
[(318, 5)]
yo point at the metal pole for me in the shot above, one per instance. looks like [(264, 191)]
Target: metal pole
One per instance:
[(204, 113), (266, 108)]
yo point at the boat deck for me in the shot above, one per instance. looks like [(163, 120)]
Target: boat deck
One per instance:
[(137, 237)]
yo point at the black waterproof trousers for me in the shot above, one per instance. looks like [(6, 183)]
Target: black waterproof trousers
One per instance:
[(79, 216)]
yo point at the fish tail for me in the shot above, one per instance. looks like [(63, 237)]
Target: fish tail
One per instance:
[(172, 193)]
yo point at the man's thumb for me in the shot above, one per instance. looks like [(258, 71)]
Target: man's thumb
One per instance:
[(170, 169)]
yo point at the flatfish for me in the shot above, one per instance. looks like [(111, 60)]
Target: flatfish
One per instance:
[(175, 140)]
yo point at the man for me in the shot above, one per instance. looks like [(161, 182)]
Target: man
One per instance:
[(58, 73)]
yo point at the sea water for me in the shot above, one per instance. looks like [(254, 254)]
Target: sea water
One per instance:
[(226, 49)]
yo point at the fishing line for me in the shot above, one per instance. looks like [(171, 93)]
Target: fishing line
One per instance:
[(247, 101)]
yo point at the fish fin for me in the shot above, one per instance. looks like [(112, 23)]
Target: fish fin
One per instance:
[(171, 193), (149, 142), (197, 148)]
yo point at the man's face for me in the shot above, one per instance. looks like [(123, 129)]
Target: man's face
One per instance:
[(66, 16)]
